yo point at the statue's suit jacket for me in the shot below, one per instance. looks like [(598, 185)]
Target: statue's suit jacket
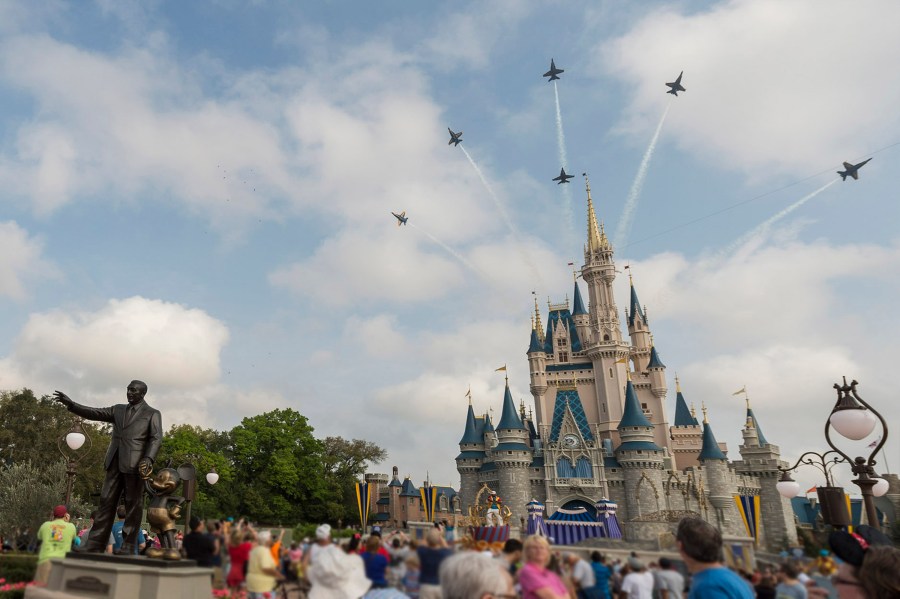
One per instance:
[(132, 438)]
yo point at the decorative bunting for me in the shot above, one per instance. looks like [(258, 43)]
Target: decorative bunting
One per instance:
[(363, 497), (748, 508)]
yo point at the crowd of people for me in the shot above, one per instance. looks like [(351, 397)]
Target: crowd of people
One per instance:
[(862, 564)]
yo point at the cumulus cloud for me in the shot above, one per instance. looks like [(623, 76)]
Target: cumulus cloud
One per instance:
[(769, 90), (162, 343), (21, 259)]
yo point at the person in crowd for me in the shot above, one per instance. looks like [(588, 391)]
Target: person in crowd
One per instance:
[(471, 575), (352, 546), (295, 557), (535, 578), (765, 588), (199, 545), (216, 529), (323, 540), (511, 555), (335, 574), (669, 583), (700, 546), (376, 564), (582, 576), (638, 583), (56, 537), (602, 574), (431, 555), (410, 580), (239, 552), (117, 535), (262, 573), (870, 564), (789, 587)]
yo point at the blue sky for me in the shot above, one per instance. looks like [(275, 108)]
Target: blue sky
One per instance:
[(198, 195)]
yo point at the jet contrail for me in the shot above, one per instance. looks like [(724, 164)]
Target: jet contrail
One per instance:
[(452, 252), (512, 228), (564, 162), (624, 228), (764, 227)]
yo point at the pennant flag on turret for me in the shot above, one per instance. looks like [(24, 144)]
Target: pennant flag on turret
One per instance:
[(429, 499), (363, 493)]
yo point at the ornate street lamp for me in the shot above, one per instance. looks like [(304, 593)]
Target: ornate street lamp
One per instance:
[(854, 419), (187, 471), (850, 417), (73, 439)]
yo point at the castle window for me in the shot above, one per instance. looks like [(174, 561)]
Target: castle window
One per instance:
[(561, 342), (606, 337), (610, 373), (563, 356)]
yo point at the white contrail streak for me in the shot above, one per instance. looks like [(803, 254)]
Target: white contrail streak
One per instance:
[(764, 227), (564, 162), (526, 257), (634, 194), (465, 262)]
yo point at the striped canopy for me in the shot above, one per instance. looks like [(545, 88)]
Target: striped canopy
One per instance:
[(536, 524)]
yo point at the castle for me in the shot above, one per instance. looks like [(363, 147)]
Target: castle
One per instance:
[(599, 427)]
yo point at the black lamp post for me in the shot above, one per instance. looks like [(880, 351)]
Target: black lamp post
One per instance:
[(854, 419), (188, 474), (73, 440)]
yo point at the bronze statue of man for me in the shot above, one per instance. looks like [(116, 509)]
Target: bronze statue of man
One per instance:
[(136, 438)]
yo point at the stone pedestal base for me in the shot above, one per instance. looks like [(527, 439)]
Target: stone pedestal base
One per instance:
[(128, 578)]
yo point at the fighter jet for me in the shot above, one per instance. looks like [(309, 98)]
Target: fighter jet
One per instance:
[(401, 218), (851, 170), (553, 73), (455, 138), (563, 177), (676, 85)]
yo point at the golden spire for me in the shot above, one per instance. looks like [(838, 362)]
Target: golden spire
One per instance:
[(677, 384), (596, 237), (693, 411), (705, 416), (537, 321)]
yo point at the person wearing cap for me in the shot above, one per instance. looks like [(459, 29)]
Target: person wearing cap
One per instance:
[(262, 572), (869, 567), (323, 540), (638, 583), (700, 546), (56, 538), (337, 575)]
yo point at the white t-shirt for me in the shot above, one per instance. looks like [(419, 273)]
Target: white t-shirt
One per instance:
[(638, 585), (583, 574)]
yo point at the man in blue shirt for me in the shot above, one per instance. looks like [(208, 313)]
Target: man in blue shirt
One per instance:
[(700, 546), (117, 536)]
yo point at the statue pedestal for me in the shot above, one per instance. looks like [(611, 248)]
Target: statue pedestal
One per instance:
[(102, 576)]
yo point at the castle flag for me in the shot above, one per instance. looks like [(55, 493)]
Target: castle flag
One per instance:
[(502, 368)]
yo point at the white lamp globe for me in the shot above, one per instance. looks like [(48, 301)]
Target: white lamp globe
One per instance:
[(212, 477), (75, 440), (788, 488), (881, 487), (853, 423)]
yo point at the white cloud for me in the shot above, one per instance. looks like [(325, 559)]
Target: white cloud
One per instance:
[(163, 344), (379, 335), (773, 87), (21, 259)]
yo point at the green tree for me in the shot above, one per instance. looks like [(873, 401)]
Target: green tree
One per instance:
[(345, 463), (31, 432), (28, 493), (278, 463), (205, 449)]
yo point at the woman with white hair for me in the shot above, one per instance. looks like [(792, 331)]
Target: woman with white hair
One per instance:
[(262, 573), (472, 575)]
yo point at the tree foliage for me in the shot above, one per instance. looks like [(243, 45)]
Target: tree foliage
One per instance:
[(272, 469), (28, 493)]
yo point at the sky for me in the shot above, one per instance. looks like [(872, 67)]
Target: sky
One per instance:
[(198, 195)]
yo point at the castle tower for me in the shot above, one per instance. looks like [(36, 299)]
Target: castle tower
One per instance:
[(762, 459), (471, 457), (394, 488), (605, 348), (537, 360), (581, 317), (686, 434), (377, 482), (513, 456), (638, 330), (718, 477), (641, 460)]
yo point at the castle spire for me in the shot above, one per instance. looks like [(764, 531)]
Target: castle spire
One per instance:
[(596, 238), (683, 416), (635, 309), (470, 435), (751, 421), (539, 327), (633, 415), (577, 303), (509, 419), (710, 449)]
